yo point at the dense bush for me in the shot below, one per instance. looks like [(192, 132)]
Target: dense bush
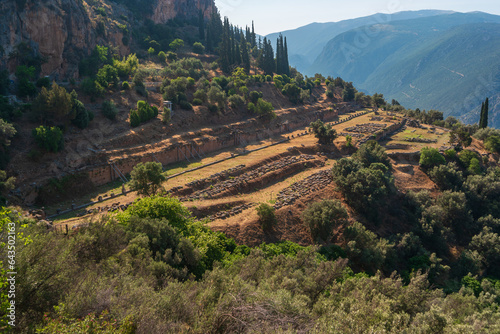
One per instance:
[(109, 109), (25, 75), (447, 177), (469, 158), (146, 178), (365, 250), (198, 48), (143, 113), (365, 189), (324, 132), (265, 109), (82, 115), (255, 96), (430, 157), (49, 138), (267, 217), (236, 101), (322, 217), (153, 268), (371, 152)]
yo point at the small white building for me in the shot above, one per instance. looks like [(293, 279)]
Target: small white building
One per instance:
[(168, 105)]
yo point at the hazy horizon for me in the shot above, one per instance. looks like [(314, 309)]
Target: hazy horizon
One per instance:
[(297, 13)]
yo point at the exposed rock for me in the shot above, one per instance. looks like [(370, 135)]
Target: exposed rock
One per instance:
[(61, 32), (165, 10)]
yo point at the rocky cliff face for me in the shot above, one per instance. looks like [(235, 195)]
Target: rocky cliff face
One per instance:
[(61, 32), (165, 10)]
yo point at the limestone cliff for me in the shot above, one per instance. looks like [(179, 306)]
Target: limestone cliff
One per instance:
[(61, 32), (165, 10)]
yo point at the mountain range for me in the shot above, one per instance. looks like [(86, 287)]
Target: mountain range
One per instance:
[(426, 59)]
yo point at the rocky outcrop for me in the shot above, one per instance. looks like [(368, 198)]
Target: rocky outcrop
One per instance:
[(165, 10), (61, 32)]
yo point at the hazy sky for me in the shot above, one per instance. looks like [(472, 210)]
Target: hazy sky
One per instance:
[(279, 15)]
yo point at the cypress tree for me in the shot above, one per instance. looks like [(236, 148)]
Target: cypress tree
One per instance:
[(254, 40), (279, 60), (285, 59), (486, 112), (245, 55), (483, 121), (481, 117), (201, 25), (209, 40), (237, 59)]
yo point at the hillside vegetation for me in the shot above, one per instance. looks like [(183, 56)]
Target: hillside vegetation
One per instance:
[(315, 208)]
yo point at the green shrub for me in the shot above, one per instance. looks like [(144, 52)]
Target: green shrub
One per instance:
[(49, 138), (447, 177), (197, 102), (255, 96), (430, 157), (135, 120), (201, 94), (236, 101), (82, 116), (176, 44), (265, 109), (166, 116), (125, 85), (92, 88), (450, 154), (492, 143), (24, 75), (43, 82), (267, 216), (324, 133), (251, 107), (198, 48), (107, 75), (365, 250), (465, 158), (371, 152), (365, 189), (185, 105), (171, 56), (322, 217), (109, 110), (162, 56), (212, 108), (146, 178)]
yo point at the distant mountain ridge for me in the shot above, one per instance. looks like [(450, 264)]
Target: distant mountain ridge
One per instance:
[(306, 43), (447, 61)]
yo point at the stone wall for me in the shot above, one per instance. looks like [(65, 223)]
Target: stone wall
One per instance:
[(105, 174)]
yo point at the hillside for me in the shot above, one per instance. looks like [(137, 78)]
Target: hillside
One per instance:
[(56, 35), (187, 180), (447, 62), (306, 43)]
